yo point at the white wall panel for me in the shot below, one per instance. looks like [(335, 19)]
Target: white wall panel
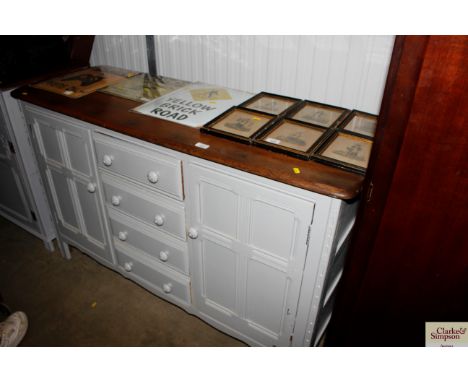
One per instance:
[(348, 71), (122, 51)]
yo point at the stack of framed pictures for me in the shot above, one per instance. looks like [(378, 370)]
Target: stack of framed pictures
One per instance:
[(349, 146), (305, 129)]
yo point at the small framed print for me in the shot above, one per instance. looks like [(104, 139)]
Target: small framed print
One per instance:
[(347, 151), (240, 124), (271, 103), (319, 114), (360, 123), (292, 137)]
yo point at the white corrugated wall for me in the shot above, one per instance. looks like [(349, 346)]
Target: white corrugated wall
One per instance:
[(348, 71), (122, 51)]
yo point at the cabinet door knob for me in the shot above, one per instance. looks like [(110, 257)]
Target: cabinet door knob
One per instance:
[(164, 255), (123, 235), (153, 176), (128, 266), (91, 187), (116, 200), (192, 233), (167, 288), (159, 220), (107, 160)]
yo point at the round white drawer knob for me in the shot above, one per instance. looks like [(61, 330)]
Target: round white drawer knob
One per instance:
[(128, 266), (116, 200), (123, 235), (159, 220), (153, 176), (91, 187), (107, 160), (167, 288), (192, 233), (163, 255)]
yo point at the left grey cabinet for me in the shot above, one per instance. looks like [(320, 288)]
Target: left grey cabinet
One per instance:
[(22, 197), (66, 159)]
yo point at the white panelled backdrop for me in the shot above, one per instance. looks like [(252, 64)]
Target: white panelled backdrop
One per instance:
[(347, 71)]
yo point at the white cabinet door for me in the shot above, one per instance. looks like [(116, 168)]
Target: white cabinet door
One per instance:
[(249, 244), (13, 199), (67, 163)]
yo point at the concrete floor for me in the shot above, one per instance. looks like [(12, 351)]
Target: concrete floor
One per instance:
[(78, 302)]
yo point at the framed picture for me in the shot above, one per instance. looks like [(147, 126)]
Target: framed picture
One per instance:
[(238, 123), (319, 114), (346, 151), (271, 103), (360, 123), (292, 137)]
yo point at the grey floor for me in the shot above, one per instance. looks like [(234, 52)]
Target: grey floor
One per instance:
[(78, 302)]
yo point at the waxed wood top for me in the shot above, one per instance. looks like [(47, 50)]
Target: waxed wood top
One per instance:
[(113, 113)]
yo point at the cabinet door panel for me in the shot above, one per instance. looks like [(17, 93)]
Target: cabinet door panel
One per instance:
[(220, 264), (61, 193), (93, 226), (266, 294), (219, 208), (272, 228), (12, 198), (78, 151), (49, 140), (4, 137)]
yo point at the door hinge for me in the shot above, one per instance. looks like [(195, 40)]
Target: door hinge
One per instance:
[(308, 235), (369, 192), (33, 215), (11, 147)]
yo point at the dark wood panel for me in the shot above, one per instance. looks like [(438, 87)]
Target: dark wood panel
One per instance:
[(415, 268), (113, 113)]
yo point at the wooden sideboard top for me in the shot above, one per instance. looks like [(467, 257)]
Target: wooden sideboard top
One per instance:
[(113, 113)]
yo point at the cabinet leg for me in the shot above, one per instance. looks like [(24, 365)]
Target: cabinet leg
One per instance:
[(49, 245), (64, 249)]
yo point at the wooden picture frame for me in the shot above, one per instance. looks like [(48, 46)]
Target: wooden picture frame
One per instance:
[(272, 104), (239, 124), (347, 151), (360, 123), (319, 114), (292, 137)]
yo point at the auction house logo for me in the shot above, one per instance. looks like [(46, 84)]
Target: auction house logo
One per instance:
[(446, 334)]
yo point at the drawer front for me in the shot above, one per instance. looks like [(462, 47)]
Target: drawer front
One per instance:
[(159, 212), (168, 284), (156, 245), (152, 169)]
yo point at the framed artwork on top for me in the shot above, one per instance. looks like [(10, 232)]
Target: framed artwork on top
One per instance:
[(345, 151), (319, 114), (271, 103), (292, 137), (360, 123), (239, 124)]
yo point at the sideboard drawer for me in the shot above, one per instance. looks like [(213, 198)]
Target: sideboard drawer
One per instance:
[(158, 246), (159, 212), (165, 282), (152, 169)]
